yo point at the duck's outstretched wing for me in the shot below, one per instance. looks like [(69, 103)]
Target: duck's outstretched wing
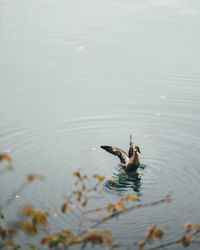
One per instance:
[(131, 149), (118, 152)]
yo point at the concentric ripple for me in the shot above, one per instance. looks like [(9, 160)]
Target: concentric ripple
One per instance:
[(90, 76)]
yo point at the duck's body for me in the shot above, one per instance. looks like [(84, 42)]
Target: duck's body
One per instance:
[(130, 162)]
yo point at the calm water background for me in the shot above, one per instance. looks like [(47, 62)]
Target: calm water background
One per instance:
[(78, 74)]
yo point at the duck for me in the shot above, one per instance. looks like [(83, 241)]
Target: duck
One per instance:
[(129, 162)]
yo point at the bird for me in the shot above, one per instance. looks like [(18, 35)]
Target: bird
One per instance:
[(130, 162)]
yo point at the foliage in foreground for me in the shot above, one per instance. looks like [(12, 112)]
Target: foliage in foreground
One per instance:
[(34, 221)]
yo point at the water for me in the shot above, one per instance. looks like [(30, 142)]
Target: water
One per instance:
[(75, 75)]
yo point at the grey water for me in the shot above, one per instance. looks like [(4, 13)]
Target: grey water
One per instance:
[(75, 75)]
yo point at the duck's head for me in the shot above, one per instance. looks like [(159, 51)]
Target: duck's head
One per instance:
[(137, 149)]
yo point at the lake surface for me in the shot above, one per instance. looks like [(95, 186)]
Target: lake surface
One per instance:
[(75, 75)]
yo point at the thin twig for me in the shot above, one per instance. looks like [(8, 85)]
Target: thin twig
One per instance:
[(166, 244), (117, 213)]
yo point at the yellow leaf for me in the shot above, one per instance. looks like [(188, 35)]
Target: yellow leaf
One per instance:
[(196, 226), (83, 187), (77, 174), (28, 227), (132, 197), (100, 178), (79, 197), (158, 233), (140, 245), (39, 218), (64, 207)]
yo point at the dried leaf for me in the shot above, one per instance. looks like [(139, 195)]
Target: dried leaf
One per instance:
[(186, 241), (64, 207), (164, 226), (116, 245), (158, 233), (77, 174), (148, 236), (119, 206), (9, 242), (98, 237), (67, 233), (44, 240), (79, 194), (28, 227), (84, 203), (140, 245), (33, 176), (27, 210), (4, 156), (83, 187), (73, 206), (94, 219), (39, 217), (188, 227), (85, 177), (31, 246), (152, 228)]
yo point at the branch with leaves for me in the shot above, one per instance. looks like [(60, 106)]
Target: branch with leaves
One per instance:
[(34, 221)]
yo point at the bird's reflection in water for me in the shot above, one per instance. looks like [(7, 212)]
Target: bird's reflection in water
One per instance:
[(121, 183)]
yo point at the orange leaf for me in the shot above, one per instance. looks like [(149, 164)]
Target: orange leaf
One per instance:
[(44, 240), (119, 206), (5, 157), (186, 241), (152, 228), (33, 176), (188, 227), (140, 245)]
